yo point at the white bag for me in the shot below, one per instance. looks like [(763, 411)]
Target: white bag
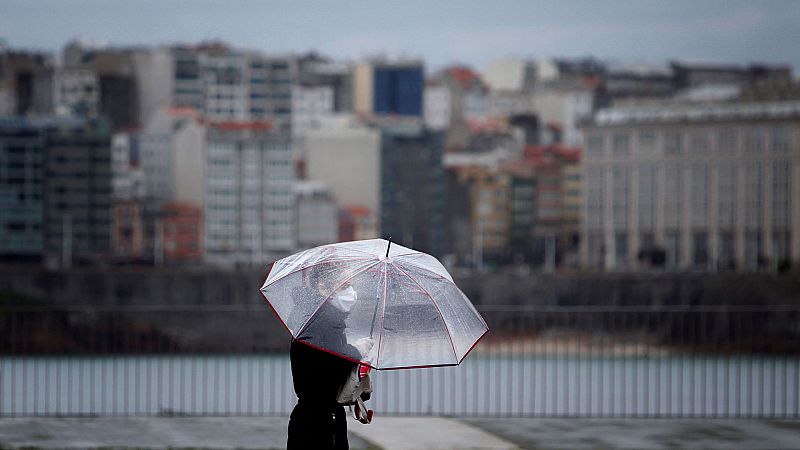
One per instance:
[(354, 386), (351, 391)]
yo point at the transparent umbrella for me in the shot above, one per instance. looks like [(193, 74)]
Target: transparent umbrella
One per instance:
[(374, 302)]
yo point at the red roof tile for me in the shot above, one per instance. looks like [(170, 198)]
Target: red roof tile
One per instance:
[(242, 125)]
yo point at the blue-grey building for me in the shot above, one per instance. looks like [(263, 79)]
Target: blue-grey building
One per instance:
[(413, 203), (22, 146), (55, 188), (77, 189), (398, 89)]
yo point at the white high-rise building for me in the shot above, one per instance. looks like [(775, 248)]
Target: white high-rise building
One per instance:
[(249, 203), (172, 150), (437, 105), (713, 186)]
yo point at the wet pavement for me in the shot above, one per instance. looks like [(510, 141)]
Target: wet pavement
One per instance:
[(408, 433)]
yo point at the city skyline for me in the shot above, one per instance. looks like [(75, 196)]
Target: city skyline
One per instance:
[(440, 33)]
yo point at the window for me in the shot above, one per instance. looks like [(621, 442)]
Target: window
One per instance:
[(594, 197), (781, 193), (753, 140), (727, 250), (672, 242), (753, 195), (647, 143), (673, 191), (621, 193), (726, 176), (700, 195), (647, 196), (700, 143), (621, 144), (781, 139), (780, 247), (673, 144), (753, 253), (596, 249), (621, 250), (700, 248), (594, 146)]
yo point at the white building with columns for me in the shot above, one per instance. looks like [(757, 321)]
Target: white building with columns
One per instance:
[(714, 186)]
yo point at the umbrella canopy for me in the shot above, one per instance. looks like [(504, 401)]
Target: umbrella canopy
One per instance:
[(377, 303)]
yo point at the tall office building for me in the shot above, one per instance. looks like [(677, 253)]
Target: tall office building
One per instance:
[(77, 189), (55, 180), (714, 186), (413, 187), (22, 147), (249, 203)]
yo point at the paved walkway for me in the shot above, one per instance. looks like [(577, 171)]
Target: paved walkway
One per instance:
[(407, 433)]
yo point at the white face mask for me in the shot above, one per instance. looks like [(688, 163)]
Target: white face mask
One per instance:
[(345, 299)]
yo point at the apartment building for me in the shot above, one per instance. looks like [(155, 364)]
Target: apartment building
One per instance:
[(711, 186)]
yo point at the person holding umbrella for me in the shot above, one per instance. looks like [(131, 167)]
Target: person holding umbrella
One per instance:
[(318, 420), (370, 304)]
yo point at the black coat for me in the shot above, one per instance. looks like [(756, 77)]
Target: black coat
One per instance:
[(318, 421)]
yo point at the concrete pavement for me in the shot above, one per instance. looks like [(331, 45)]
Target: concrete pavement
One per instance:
[(407, 433)]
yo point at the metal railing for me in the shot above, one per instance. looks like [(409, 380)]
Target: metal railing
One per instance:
[(577, 361)]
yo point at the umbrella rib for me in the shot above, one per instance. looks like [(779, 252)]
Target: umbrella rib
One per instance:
[(316, 263), (305, 324), (383, 314), (446, 327), (408, 253)]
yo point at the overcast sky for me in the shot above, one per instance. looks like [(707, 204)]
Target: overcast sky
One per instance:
[(441, 32)]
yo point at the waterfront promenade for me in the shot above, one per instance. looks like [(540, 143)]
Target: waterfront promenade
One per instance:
[(409, 433)]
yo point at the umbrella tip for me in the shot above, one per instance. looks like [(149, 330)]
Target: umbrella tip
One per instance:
[(388, 246)]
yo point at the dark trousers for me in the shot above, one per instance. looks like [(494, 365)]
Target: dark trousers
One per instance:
[(314, 426)]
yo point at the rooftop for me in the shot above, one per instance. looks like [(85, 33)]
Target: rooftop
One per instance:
[(677, 113)]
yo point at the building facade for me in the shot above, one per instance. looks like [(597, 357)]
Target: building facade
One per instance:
[(317, 214), (345, 154), (711, 187), (182, 232), (413, 188), (249, 203), (389, 88), (22, 153), (222, 83), (77, 190), (311, 106)]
